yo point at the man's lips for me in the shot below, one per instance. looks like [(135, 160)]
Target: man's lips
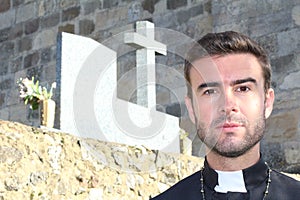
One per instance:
[(230, 125)]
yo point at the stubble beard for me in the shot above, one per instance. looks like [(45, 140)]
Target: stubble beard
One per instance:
[(210, 136)]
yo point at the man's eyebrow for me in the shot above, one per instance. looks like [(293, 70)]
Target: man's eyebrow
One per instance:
[(240, 81), (208, 84)]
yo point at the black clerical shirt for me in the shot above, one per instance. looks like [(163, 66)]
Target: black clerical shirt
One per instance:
[(281, 187)]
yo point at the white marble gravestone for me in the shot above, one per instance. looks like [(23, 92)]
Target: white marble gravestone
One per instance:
[(89, 106)]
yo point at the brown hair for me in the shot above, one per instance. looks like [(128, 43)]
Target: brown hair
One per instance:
[(224, 43)]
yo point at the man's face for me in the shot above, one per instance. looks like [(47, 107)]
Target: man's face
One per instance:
[(229, 104)]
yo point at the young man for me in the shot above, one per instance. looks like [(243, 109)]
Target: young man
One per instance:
[(229, 98)]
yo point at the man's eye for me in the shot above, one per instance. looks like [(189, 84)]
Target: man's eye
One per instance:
[(243, 89), (209, 92)]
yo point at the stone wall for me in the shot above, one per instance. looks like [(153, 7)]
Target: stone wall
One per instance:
[(40, 164), (28, 31)]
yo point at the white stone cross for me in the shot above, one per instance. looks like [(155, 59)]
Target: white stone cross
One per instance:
[(143, 39)]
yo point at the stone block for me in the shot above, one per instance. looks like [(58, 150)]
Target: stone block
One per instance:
[(17, 2), (32, 26), (6, 84), (46, 55), (34, 71), (277, 22), (25, 12), (291, 152), (7, 49), (25, 44), (4, 67), (110, 3), (283, 126), (4, 113), (283, 64), (68, 28), (31, 59), (70, 13), (167, 20), (5, 5), (296, 14), (90, 6), (15, 64), (12, 97), (7, 19), (273, 154), (269, 42), (135, 12), (174, 4), (86, 27), (174, 109), (149, 5), (291, 81), (4, 34), (49, 21), (288, 42), (47, 7), (16, 31), (178, 94), (68, 3), (45, 39), (110, 18), (2, 99)]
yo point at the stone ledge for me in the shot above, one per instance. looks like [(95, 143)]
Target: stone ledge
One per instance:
[(39, 163)]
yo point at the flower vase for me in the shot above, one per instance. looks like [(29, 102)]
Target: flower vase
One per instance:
[(48, 113)]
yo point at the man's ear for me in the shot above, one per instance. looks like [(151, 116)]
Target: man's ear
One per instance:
[(190, 108), (269, 102)]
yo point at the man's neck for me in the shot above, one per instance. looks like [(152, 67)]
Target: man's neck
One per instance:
[(221, 163)]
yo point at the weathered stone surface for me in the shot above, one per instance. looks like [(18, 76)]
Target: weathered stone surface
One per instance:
[(296, 14), (49, 21), (17, 2), (291, 150), (68, 28), (283, 126), (16, 64), (288, 42), (47, 7), (91, 6), (173, 4), (291, 81), (31, 59), (7, 19), (32, 26), (149, 5), (110, 3), (67, 3), (86, 27), (110, 18), (4, 34), (70, 13), (2, 99), (7, 49), (5, 5), (34, 160), (16, 31), (25, 44), (4, 67), (44, 39), (25, 12)]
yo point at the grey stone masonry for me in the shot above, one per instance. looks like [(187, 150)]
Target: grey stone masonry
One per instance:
[(28, 38)]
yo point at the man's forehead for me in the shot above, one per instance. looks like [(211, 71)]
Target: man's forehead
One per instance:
[(225, 68)]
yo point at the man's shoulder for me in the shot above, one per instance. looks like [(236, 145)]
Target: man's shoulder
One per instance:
[(187, 186), (285, 181)]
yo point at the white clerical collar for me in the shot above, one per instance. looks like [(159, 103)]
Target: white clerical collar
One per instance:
[(230, 182)]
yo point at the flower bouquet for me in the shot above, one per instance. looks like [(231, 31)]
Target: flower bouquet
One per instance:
[(32, 93)]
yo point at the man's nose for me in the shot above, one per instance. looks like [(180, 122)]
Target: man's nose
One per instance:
[(228, 102)]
